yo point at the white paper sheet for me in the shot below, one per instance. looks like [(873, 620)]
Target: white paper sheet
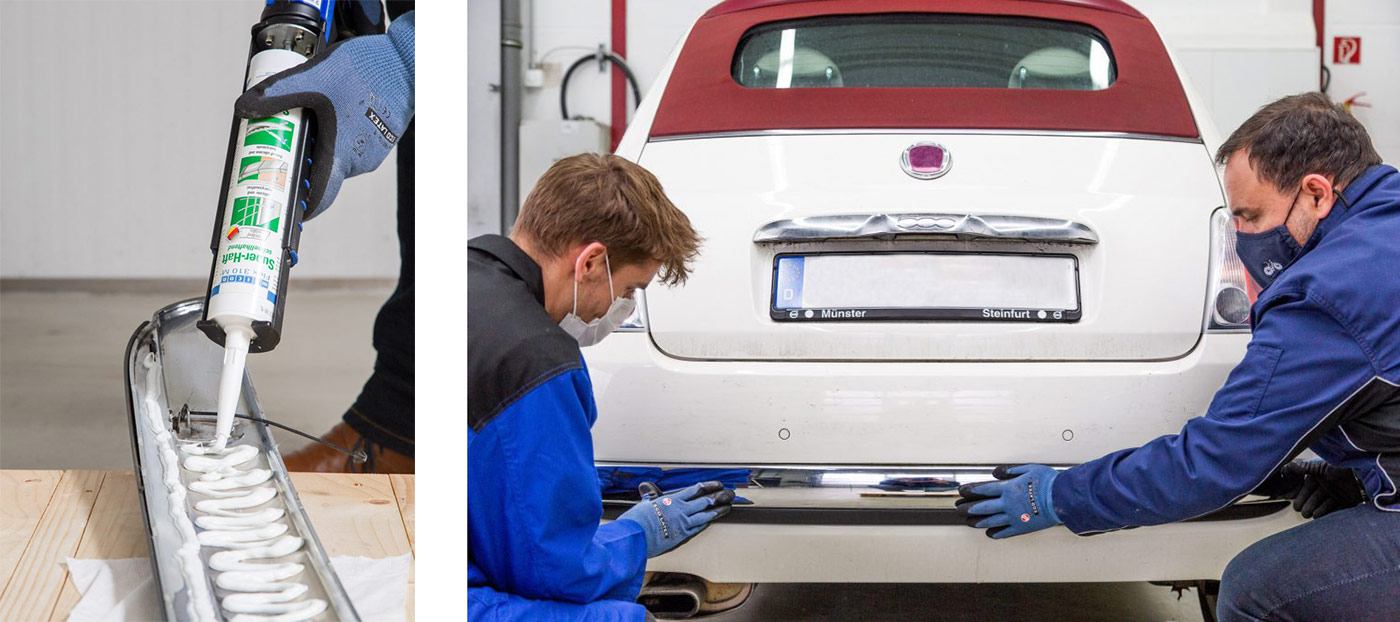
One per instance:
[(121, 590)]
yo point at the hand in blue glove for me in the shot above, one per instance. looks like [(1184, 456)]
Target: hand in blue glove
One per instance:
[(361, 91), (1017, 503), (671, 519)]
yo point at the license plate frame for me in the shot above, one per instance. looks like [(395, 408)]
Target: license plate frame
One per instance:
[(924, 314)]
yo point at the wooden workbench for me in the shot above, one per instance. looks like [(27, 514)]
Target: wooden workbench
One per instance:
[(47, 516)]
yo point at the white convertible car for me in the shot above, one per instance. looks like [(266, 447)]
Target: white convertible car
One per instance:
[(939, 237)]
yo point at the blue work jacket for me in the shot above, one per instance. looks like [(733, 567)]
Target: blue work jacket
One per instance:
[(1321, 372), (537, 550)]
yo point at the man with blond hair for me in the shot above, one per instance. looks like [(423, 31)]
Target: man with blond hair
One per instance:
[(595, 229)]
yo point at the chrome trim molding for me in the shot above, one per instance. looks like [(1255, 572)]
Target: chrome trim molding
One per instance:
[(933, 131), (894, 226), (186, 361), (865, 495)]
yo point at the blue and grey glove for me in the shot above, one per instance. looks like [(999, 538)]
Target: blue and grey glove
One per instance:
[(1017, 503), (361, 91), (671, 519)]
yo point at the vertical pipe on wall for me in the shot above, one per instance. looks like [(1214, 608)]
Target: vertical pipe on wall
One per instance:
[(1320, 23), (510, 112)]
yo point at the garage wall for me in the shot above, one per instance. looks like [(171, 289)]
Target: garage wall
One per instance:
[(565, 30), (1238, 54), (115, 134), (1377, 22)]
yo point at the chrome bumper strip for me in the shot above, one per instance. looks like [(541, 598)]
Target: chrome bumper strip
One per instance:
[(865, 495), (188, 365)]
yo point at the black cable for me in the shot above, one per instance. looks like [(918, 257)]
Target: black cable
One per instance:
[(609, 56), (356, 456)]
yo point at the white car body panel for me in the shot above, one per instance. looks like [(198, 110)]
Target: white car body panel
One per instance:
[(655, 409), (1143, 295), (1131, 370), (956, 554)]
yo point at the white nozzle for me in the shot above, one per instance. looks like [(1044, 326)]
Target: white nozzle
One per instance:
[(236, 340)]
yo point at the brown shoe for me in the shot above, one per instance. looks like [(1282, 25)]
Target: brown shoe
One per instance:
[(318, 458)]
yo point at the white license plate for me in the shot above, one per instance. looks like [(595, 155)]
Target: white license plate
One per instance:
[(925, 286)]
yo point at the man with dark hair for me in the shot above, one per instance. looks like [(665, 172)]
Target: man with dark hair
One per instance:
[(1319, 230), (594, 230)]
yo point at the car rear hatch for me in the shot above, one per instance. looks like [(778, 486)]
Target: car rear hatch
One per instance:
[(1033, 246)]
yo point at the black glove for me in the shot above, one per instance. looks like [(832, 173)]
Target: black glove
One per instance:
[(1325, 488), (1282, 484)]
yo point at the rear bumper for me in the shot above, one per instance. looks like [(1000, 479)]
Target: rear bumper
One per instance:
[(871, 420), (873, 496), (856, 525), (653, 409)]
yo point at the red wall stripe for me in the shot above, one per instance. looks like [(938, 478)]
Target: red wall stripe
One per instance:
[(619, 80)]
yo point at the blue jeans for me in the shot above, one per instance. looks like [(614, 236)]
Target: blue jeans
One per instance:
[(1343, 566)]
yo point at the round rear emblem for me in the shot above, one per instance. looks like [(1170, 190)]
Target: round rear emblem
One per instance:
[(926, 160)]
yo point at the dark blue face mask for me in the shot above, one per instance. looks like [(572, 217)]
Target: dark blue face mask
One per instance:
[(1266, 254)]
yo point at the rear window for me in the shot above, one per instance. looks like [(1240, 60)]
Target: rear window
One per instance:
[(924, 51)]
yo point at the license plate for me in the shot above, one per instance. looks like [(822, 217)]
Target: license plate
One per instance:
[(911, 286)]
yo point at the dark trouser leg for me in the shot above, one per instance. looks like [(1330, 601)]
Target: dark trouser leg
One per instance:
[(1343, 566), (383, 412)]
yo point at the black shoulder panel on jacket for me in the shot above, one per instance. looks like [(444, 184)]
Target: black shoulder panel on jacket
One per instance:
[(512, 344)]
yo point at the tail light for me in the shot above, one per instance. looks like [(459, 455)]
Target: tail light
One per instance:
[(1231, 290)]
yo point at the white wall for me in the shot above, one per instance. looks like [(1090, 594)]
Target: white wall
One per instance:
[(564, 31), (1377, 22), (484, 124), (1238, 56), (116, 118)]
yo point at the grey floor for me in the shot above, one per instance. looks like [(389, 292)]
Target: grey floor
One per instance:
[(1043, 602), (62, 406), (62, 397)]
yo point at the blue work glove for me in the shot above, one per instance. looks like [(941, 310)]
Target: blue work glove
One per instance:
[(1017, 503), (348, 86), (671, 519)]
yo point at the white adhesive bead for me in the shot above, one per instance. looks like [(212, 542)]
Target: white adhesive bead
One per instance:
[(224, 463), (259, 580), (225, 486), (309, 609), (260, 593), (223, 507), (242, 538), (237, 559), (245, 603), (201, 603), (244, 520)]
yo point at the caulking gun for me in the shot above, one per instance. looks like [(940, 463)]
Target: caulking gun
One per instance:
[(261, 203)]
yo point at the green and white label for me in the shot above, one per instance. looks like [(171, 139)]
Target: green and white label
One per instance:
[(274, 131), (248, 262), (249, 212)]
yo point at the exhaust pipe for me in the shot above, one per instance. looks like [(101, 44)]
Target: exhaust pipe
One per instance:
[(673, 596)]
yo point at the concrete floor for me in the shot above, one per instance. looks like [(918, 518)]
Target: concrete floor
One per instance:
[(1040, 602), (63, 406), (62, 393)]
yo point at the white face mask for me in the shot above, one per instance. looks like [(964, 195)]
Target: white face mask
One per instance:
[(590, 333)]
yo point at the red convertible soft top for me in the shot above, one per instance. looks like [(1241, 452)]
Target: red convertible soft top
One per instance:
[(702, 97)]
